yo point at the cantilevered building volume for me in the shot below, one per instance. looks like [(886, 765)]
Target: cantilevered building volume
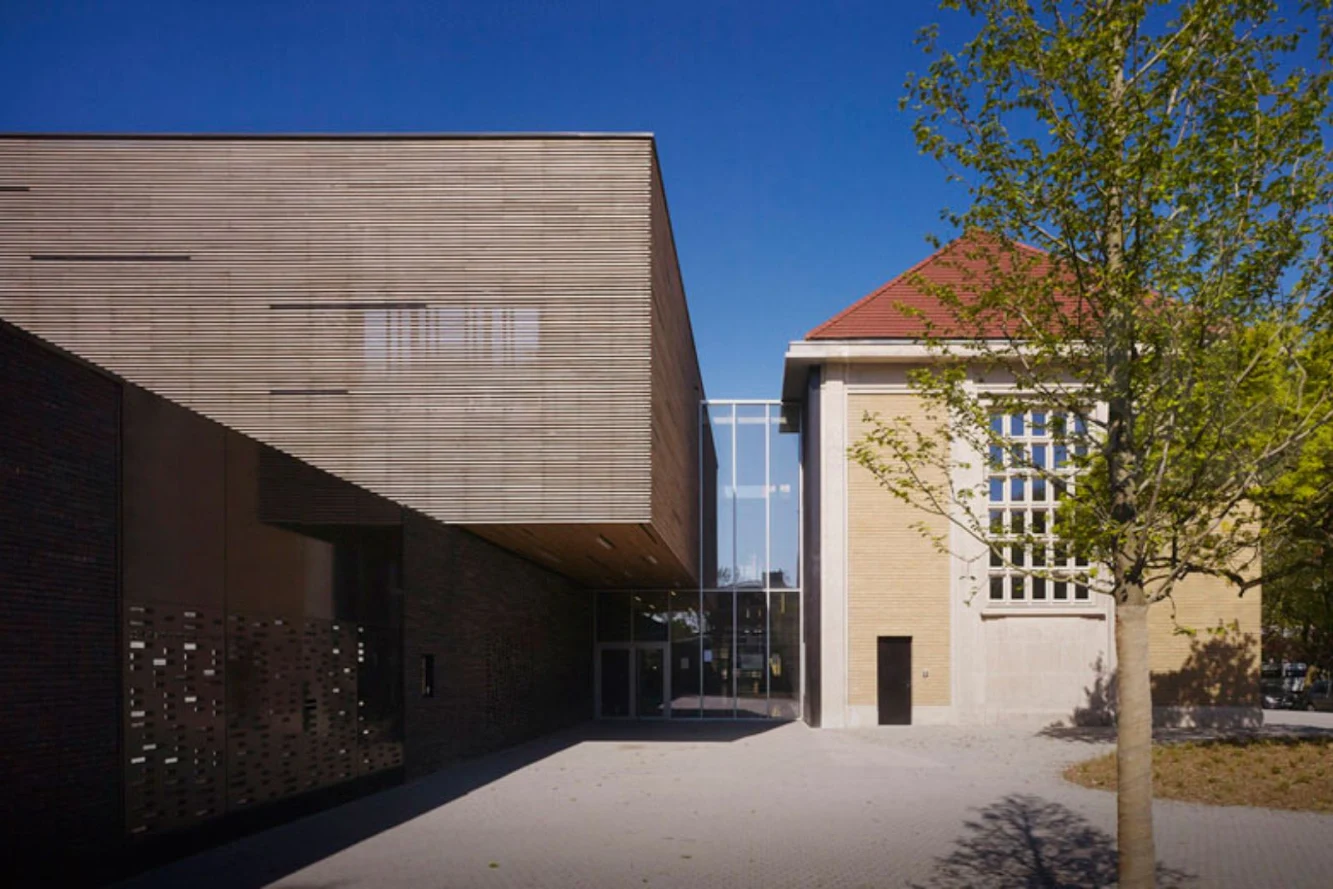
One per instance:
[(491, 331), (313, 450)]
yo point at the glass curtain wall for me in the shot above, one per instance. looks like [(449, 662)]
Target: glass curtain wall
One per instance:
[(750, 598), (734, 643)]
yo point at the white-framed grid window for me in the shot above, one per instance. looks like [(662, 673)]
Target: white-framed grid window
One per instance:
[(1027, 477)]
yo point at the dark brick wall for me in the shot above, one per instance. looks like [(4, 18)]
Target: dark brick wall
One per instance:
[(59, 614), (512, 644)]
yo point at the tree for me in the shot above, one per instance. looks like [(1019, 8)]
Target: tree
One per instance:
[(1169, 161), (1298, 598)]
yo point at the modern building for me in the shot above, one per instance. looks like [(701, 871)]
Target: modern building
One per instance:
[(732, 640), (316, 451), (900, 632), (328, 461)]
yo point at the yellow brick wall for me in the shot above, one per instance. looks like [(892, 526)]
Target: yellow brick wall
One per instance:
[(897, 582), (1207, 668)]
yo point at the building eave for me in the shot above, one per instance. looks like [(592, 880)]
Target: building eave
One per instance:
[(805, 354)]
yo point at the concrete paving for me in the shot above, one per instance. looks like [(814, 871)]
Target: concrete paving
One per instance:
[(763, 805), (1303, 718)]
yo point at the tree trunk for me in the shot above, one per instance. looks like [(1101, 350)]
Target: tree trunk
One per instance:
[(1138, 856)]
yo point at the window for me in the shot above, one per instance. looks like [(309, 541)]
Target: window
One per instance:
[(1028, 475), (428, 675)]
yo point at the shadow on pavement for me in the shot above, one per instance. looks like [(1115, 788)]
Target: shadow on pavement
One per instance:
[(1025, 841), (678, 731), (1175, 734), (263, 858)]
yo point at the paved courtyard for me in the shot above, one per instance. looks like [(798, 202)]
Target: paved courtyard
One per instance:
[(765, 806)]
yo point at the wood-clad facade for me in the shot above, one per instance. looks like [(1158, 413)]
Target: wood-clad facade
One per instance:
[(488, 330), (678, 389)]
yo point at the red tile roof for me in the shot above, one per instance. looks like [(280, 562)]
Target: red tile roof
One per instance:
[(881, 315)]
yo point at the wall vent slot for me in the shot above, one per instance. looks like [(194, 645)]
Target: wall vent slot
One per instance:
[(307, 392), (330, 306), (108, 257)]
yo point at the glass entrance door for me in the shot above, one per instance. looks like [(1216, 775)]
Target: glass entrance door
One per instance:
[(652, 681), (633, 681)]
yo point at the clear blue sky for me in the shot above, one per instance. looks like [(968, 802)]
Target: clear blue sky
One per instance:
[(793, 180)]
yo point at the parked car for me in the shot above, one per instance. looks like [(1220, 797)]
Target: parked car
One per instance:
[(1284, 685), (1319, 695)]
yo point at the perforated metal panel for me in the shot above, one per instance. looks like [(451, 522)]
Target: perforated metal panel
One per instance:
[(379, 701), (174, 729), (329, 702), (264, 719), (296, 719), (287, 710)]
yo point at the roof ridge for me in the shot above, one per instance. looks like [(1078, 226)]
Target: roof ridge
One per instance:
[(965, 238), (860, 303)]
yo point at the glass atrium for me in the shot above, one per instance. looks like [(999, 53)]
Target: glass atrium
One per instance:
[(732, 647)]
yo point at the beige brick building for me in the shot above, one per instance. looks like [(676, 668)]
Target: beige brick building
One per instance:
[(899, 629)]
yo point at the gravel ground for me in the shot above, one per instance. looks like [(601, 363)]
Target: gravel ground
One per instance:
[(763, 805)]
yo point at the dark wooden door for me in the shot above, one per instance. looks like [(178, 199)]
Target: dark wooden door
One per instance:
[(895, 680)]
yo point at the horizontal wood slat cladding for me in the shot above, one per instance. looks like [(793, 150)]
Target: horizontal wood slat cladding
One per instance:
[(631, 556), (677, 390), (461, 325)]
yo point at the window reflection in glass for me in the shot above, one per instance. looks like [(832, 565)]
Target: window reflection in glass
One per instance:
[(736, 652), (784, 654), (721, 423), (784, 505), (751, 493), (686, 654), (650, 617), (751, 654), (719, 695), (751, 540)]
